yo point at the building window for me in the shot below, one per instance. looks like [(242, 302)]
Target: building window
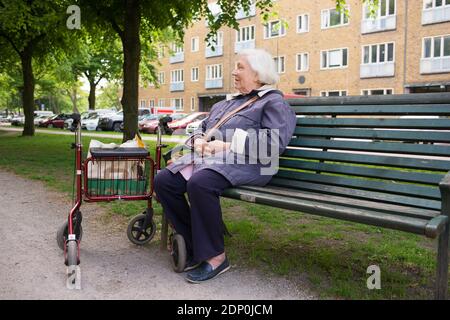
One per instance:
[(279, 63), (303, 23), (161, 79), (333, 18), (378, 53), (302, 62), (194, 74), (217, 39), (176, 76), (245, 34), (177, 48), (335, 58), (373, 92), (436, 47), (214, 72), (192, 104), (160, 51), (195, 44), (152, 103), (333, 93), (274, 29), (385, 8), (161, 102), (429, 4), (177, 103), (143, 104)]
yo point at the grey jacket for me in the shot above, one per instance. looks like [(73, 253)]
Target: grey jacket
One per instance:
[(255, 148)]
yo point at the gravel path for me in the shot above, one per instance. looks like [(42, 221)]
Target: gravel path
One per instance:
[(31, 264)]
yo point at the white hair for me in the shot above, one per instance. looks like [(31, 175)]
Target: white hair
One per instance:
[(263, 64)]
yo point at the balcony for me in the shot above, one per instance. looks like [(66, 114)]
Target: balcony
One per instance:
[(238, 46), (177, 57), (435, 65), (176, 86), (435, 15), (242, 15), (374, 70), (210, 53), (379, 24), (215, 83)]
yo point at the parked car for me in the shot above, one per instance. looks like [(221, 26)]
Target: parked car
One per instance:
[(179, 126), (113, 121), (150, 124), (191, 127), (18, 121), (42, 118), (55, 121)]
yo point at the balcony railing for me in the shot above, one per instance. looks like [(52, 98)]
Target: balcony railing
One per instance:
[(434, 15), (242, 15), (373, 70), (210, 53), (238, 46), (178, 57), (378, 24), (215, 83), (435, 65), (177, 86)]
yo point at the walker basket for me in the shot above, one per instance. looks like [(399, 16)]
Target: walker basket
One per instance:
[(121, 173)]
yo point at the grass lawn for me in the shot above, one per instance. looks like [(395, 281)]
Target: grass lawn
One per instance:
[(331, 255)]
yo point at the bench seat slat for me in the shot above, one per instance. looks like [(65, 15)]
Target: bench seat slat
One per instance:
[(398, 161), (401, 135), (371, 217), (356, 193), (384, 147), (385, 109), (364, 184), (347, 201), (389, 174), (375, 123)]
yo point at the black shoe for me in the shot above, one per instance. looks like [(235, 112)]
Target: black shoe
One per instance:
[(190, 265), (205, 272)]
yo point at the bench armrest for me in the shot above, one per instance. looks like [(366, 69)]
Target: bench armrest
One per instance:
[(444, 187)]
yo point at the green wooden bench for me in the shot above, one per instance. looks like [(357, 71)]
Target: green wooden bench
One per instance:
[(370, 160)]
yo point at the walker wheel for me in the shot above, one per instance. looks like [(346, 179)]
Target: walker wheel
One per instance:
[(62, 234), (179, 253), (138, 233)]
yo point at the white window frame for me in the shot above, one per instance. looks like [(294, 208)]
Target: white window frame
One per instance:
[(304, 28), (173, 103), (143, 104), (177, 76), (279, 65), (217, 39), (341, 66), (151, 103), (245, 32), (379, 16), (195, 44), (433, 4), (161, 76), (327, 93), (192, 103), (303, 69), (432, 47), (268, 28), (177, 48), (214, 71), (161, 103), (378, 53), (193, 79), (325, 18), (369, 91)]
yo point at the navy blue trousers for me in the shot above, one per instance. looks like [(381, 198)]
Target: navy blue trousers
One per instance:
[(200, 223)]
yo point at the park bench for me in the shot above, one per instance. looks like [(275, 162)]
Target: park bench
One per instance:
[(369, 159)]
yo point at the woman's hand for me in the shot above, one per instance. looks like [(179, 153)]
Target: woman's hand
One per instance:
[(199, 145), (215, 146)]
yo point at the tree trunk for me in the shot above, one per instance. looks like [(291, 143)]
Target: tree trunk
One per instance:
[(132, 57), (28, 90), (92, 89)]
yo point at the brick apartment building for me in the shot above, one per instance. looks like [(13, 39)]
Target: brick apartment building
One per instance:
[(318, 52)]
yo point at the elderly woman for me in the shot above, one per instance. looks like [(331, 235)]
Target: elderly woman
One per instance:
[(237, 129)]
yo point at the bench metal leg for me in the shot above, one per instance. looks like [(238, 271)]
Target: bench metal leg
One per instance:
[(164, 231), (442, 266)]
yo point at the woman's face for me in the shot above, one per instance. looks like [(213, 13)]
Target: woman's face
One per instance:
[(245, 78)]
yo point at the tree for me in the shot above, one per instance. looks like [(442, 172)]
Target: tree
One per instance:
[(31, 28)]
